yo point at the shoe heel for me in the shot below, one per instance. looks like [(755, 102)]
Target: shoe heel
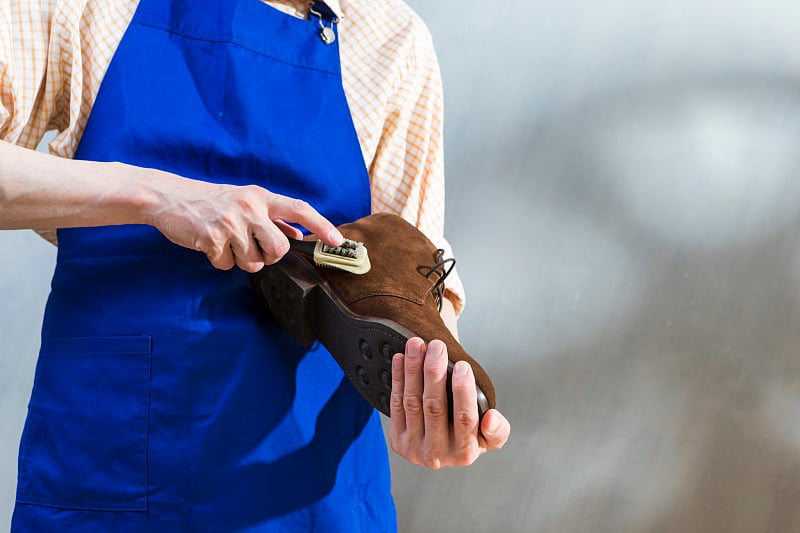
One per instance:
[(290, 297)]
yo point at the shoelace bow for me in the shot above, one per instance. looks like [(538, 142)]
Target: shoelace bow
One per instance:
[(443, 267)]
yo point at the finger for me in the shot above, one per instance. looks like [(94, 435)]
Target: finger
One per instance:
[(495, 429), (465, 414), (288, 230), (300, 212), (434, 400), (396, 411), (272, 243), (413, 388), (222, 257), (247, 253)]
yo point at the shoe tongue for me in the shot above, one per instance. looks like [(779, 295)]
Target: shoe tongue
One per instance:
[(400, 255)]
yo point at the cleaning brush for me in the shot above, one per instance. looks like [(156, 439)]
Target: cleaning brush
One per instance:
[(351, 256)]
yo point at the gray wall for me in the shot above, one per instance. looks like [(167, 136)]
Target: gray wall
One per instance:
[(623, 199), (26, 262)]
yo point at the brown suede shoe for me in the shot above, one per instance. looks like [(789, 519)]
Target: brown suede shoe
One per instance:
[(363, 320)]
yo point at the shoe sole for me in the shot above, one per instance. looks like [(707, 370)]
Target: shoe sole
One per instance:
[(308, 309)]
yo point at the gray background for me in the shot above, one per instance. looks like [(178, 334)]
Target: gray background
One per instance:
[(623, 199)]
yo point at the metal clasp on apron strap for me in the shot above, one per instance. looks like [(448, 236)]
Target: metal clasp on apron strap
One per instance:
[(324, 13)]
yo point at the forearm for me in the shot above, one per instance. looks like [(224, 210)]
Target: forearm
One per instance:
[(40, 191), (233, 225)]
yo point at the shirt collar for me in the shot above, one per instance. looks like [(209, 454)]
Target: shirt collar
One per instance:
[(336, 7), (302, 6)]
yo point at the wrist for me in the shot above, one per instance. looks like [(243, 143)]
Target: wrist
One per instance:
[(143, 194)]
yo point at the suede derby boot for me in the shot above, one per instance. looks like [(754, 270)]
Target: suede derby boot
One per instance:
[(364, 319)]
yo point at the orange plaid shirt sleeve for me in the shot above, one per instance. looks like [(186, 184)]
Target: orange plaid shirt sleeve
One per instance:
[(54, 54)]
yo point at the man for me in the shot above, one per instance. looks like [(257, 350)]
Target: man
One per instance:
[(163, 400)]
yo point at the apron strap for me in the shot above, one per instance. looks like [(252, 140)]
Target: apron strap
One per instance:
[(325, 13)]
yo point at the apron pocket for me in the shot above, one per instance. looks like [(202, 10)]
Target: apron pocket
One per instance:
[(85, 440)]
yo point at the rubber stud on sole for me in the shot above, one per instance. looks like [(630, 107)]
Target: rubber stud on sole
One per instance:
[(388, 352), (362, 375), (366, 351)]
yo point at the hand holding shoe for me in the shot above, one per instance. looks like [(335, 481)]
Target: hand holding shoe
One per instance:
[(421, 430)]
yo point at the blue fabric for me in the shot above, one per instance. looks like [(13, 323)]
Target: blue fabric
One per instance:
[(165, 398)]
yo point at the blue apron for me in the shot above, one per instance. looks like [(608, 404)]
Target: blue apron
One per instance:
[(165, 398)]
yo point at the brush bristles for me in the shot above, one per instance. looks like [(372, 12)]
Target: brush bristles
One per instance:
[(347, 249), (350, 256)]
